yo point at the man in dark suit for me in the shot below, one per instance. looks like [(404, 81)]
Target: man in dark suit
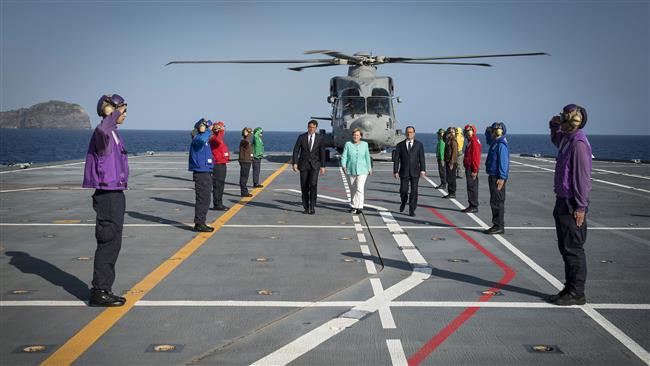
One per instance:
[(409, 166), (309, 158)]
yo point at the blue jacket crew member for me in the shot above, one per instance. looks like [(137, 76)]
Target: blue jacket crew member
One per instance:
[(572, 187), (309, 158), (107, 171), (201, 164), (356, 163), (409, 166), (497, 165)]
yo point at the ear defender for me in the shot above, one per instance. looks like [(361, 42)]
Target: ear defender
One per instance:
[(107, 110)]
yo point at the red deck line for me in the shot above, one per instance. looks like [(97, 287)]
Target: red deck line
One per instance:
[(456, 323)]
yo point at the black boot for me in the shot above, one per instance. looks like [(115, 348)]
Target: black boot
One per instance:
[(570, 298), (104, 298)]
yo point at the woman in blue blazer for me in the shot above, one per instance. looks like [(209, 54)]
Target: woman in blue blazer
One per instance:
[(356, 163)]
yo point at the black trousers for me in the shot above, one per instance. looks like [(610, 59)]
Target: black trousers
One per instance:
[(442, 172), (244, 172), (110, 207), (202, 190), (497, 201), (570, 241), (404, 183), (472, 188), (451, 178), (218, 184), (309, 187), (257, 164)]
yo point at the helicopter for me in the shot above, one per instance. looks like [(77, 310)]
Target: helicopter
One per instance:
[(362, 99)]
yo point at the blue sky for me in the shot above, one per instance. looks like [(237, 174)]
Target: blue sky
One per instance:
[(76, 51)]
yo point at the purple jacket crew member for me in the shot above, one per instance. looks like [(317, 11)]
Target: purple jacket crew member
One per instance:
[(107, 171), (572, 187)]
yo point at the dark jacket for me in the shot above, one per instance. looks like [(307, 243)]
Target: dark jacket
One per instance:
[(314, 159), (245, 150), (451, 151), (409, 163)]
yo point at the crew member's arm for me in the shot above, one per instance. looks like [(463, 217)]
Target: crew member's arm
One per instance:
[(105, 132), (503, 165), (581, 162), (476, 157), (556, 131)]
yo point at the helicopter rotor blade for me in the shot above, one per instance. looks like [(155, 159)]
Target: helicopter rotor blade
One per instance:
[(400, 59), (300, 68), (309, 61), (333, 54), (441, 63)]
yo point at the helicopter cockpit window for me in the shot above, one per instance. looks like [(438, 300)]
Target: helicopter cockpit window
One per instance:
[(379, 106), (353, 105)]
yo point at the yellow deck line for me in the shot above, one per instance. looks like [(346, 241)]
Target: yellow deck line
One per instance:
[(90, 333)]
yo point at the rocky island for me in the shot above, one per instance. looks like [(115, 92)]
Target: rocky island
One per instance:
[(53, 115)]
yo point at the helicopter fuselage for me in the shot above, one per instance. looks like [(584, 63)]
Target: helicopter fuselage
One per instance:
[(363, 100)]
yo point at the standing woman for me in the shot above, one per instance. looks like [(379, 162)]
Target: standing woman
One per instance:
[(245, 160), (357, 165)]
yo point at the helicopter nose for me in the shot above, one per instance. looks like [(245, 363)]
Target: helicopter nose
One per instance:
[(366, 125)]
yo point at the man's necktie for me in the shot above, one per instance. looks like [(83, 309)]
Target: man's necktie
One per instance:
[(410, 146), (310, 142)]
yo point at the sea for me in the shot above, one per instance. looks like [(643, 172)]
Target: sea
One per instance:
[(43, 146)]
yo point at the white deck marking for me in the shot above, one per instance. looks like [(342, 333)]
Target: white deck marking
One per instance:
[(253, 226), (312, 339), (596, 169), (361, 237), (594, 179), (355, 218), (396, 351), (358, 227), (403, 240), (42, 167), (621, 173), (324, 304), (306, 342), (608, 326), (385, 315), (370, 266), (365, 250)]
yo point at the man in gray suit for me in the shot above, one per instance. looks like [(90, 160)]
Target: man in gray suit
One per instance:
[(409, 166)]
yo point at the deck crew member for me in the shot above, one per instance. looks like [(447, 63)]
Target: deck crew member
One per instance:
[(107, 171), (440, 156), (409, 165), (309, 159), (572, 187), (460, 140), (472, 162), (221, 157), (451, 162), (258, 154), (497, 165), (245, 160), (356, 163), (201, 164)]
